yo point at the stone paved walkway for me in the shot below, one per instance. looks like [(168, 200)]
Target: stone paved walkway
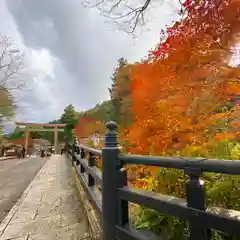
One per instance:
[(14, 180), (49, 208)]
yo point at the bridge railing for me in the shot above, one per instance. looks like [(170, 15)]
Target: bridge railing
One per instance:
[(114, 195)]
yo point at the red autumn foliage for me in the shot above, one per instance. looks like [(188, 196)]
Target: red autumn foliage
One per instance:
[(21, 141), (180, 91), (87, 126)]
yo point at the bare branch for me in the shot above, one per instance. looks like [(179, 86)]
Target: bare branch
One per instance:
[(11, 64), (128, 14)]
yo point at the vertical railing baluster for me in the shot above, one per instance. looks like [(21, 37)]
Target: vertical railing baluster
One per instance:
[(78, 150), (112, 178), (91, 163), (82, 154), (196, 199), (73, 153), (123, 210)]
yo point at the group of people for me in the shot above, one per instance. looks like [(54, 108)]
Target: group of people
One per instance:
[(63, 149), (22, 152), (42, 152), (45, 152)]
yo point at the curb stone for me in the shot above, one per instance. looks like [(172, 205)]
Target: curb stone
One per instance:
[(94, 227), (16, 206), (8, 158)]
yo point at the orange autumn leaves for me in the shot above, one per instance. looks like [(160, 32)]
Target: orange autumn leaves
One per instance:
[(86, 127), (186, 88)]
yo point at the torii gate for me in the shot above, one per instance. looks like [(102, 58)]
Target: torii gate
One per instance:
[(55, 129)]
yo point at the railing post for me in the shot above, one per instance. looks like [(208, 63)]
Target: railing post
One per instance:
[(73, 153), (110, 166), (77, 151), (123, 210), (91, 163), (196, 199), (82, 155)]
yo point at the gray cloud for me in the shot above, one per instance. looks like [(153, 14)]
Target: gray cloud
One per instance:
[(84, 49), (64, 28)]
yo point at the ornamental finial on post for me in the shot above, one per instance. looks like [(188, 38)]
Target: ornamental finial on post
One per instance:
[(111, 137)]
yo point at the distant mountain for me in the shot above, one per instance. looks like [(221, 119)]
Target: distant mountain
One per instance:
[(8, 127), (7, 134)]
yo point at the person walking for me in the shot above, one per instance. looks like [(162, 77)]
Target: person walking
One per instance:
[(19, 153), (94, 139), (23, 152), (42, 152)]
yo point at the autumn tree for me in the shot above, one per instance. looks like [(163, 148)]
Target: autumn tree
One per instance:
[(184, 95), (11, 76), (11, 65), (7, 105), (178, 90), (87, 126)]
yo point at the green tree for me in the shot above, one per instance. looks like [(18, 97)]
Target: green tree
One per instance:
[(50, 135), (36, 134), (102, 112), (69, 117), (17, 133), (7, 105), (1, 137), (122, 62)]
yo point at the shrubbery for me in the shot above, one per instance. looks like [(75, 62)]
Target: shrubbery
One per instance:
[(221, 190)]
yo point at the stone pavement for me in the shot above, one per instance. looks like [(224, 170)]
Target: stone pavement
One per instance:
[(14, 180), (49, 208)]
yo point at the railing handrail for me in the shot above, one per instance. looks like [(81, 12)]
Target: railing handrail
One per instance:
[(91, 150), (112, 200), (205, 164)]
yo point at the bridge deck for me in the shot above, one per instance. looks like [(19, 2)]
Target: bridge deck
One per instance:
[(49, 208)]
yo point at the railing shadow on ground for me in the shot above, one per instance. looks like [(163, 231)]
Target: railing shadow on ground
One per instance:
[(113, 197)]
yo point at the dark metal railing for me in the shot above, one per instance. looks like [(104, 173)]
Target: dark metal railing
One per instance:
[(112, 199)]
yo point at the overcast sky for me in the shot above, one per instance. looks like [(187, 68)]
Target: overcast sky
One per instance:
[(70, 53)]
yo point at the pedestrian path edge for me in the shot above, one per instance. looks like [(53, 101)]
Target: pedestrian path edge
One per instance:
[(15, 207)]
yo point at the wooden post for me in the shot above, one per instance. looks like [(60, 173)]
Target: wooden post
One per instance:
[(56, 139), (26, 137), (196, 199), (114, 211)]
